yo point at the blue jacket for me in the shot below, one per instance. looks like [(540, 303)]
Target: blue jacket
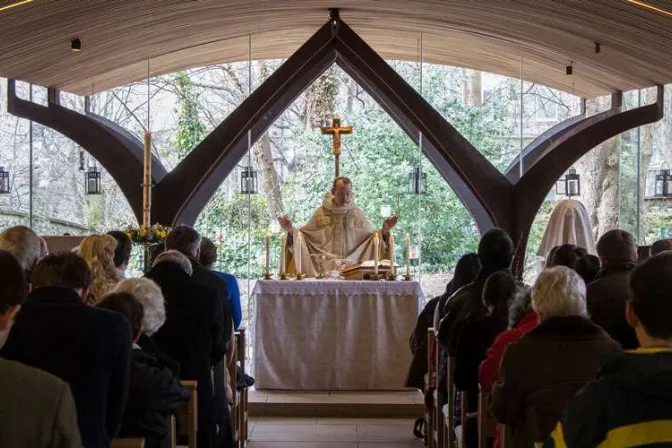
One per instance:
[(234, 297)]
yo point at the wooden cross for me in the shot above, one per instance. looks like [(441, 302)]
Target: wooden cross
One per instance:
[(335, 130)]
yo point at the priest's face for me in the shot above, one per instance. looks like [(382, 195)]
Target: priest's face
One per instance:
[(342, 193)]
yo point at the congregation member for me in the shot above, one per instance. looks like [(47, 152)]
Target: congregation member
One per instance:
[(465, 272), (122, 253), (98, 252), (37, 408), (187, 240), (608, 293), (208, 258), (541, 373), (154, 391), (191, 334), (148, 293), (86, 347), (24, 244), (630, 403), (660, 246)]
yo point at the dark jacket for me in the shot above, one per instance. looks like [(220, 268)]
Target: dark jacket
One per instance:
[(631, 399), (37, 409), (472, 343), (541, 373), (418, 368), (148, 345), (192, 335), (154, 394), (606, 297), (87, 347), (205, 277)]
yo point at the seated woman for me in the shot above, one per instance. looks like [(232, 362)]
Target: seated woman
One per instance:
[(541, 373), (154, 391)]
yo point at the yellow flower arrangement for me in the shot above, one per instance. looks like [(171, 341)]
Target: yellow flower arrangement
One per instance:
[(152, 235)]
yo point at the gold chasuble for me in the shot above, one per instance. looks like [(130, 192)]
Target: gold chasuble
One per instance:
[(337, 232)]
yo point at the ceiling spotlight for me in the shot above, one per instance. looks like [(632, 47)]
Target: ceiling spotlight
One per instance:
[(76, 45), (569, 70), (598, 47)]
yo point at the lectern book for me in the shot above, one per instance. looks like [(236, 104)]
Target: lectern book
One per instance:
[(362, 271)]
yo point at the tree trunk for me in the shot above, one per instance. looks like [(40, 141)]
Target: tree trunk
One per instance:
[(474, 89), (599, 170), (320, 100), (263, 158)]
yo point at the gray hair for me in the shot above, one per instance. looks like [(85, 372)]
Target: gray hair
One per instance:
[(23, 243), (559, 291), (149, 295), (177, 257), (185, 239)]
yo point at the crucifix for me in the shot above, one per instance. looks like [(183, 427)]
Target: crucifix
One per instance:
[(335, 130)]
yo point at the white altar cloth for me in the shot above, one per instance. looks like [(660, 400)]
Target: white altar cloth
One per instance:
[(333, 334)]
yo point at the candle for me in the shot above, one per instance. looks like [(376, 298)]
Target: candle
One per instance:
[(376, 250), (268, 253), (390, 242), (408, 254), (283, 250), (297, 252)]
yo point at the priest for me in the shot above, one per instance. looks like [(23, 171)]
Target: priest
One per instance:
[(339, 229)]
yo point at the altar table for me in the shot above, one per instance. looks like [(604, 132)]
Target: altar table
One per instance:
[(333, 334)]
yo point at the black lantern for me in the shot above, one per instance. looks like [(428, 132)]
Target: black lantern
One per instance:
[(416, 181), (569, 185), (663, 186), (4, 181), (248, 180), (81, 160), (92, 181)]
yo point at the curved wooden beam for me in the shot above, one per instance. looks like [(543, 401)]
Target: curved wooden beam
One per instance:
[(181, 196), (121, 161), (459, 162), (530, 191)]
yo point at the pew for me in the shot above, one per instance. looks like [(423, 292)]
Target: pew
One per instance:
[(438, 398), (486, 422), (431, 403), (449, 408), (190, 417), (128, 443), (240, 398), (173, 432)]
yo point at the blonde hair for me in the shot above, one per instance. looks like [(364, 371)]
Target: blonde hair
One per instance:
[(559, 291), (98, 251), (149, 295), (23, 243)]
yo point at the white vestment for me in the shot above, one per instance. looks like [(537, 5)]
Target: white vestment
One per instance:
[(569, 224), (337, 232)]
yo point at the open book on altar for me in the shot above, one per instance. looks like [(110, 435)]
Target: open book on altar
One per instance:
[(361, 271)]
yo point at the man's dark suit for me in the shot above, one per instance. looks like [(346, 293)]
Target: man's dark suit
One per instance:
[(87, 347), (192, 335)]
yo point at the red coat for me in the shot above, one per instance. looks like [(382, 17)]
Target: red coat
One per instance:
[(488, 372)]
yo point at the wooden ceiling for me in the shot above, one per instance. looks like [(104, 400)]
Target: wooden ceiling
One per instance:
[(119, 36)]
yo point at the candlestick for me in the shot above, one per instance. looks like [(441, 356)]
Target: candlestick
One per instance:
[(297, 255), (408, 275), (267, 269), (283, 249), (376, 250), (390, 242)]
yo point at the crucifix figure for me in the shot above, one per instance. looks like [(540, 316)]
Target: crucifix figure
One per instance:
[(335, 130)]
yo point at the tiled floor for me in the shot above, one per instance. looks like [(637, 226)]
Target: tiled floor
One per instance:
[(332, 433)]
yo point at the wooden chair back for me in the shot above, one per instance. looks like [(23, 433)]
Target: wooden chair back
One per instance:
[(439, 398), (243, 396), (235, 401), (486, 422), (430, 405), (173, 432), (189, 419), (450, 403), (505, 437), (128, 443)]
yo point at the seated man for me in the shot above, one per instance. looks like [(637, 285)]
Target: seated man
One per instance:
[(607, 294), (89, 348), (630, 403), (208, 258), (154, 392), (24, 244), (122, 253), (660, 246), (37, 408), (192, 333)]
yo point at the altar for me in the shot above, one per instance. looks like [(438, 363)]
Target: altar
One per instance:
[(333, 334)]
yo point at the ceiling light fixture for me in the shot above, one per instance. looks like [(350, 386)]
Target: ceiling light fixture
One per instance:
[(14, 5), (598, 47), (650, 7), (76, 45), (569, 70)]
